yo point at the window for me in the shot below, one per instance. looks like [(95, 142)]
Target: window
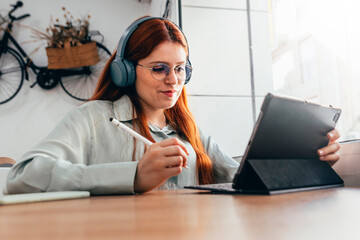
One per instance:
[(316, 55)]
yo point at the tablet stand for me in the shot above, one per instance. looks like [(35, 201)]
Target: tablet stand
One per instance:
[(285, 175)]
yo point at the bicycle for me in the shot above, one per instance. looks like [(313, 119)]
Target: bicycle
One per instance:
[(79, 83)]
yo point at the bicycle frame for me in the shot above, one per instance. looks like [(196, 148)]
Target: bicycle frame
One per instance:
[(5, 44), (28, 62), (47, 78)]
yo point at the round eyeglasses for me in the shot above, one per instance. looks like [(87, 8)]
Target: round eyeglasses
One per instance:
[(161, 70)]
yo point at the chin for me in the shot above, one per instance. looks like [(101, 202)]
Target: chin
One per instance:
[(168, 105)]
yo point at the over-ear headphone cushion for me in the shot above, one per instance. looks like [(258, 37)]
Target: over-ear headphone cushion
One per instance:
[(189, 64), (122, 72)]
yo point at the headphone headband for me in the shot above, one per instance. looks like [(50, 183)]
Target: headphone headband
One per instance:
[(123, 71), (120, 52)]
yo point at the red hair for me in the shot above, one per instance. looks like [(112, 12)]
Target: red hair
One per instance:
[(141, 43)]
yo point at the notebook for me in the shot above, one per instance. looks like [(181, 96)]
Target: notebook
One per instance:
[(281, 155), (43, 196)]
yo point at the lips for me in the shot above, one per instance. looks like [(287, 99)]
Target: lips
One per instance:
[(169, 93)]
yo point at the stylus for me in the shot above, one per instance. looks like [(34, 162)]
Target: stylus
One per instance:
[(133, 133)]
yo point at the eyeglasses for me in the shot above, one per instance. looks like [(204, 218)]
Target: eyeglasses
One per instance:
[(161, 71)]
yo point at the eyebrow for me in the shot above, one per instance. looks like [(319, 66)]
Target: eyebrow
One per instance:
[(178, 63)]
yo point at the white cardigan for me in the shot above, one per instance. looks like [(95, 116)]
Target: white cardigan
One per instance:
[(85, 152)]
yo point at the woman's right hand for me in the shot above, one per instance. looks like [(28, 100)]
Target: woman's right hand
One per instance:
[(160, 162)]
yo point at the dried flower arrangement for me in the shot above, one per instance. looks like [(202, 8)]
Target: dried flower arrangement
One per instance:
[(76, 32), (69, 44)]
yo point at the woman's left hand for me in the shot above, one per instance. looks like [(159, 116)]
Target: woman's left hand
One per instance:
[(329, 153)]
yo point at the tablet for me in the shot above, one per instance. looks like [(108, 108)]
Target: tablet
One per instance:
[(281, 155), (290, 128)]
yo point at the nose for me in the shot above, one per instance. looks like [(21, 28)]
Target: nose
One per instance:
[(171, 78)]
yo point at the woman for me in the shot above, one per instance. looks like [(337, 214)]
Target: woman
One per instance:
[(87, 152)]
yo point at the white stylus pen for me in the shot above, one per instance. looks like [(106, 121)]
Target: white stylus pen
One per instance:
[(133, 133)]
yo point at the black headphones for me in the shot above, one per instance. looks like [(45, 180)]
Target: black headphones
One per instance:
[(123, 71)]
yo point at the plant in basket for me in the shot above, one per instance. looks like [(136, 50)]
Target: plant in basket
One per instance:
[(73, 31), (68, 44)]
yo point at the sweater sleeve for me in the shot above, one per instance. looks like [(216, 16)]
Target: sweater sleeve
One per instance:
[(60, 162), (224, 166)]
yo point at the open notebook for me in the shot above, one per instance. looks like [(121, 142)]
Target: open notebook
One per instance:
[(34, 197), (281, 154), (44, 196)]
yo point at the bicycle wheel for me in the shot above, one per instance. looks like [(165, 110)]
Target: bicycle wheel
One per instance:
[(11, 75), (82, 86)]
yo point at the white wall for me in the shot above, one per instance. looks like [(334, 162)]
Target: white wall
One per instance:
[(220, 90), (33, 113)]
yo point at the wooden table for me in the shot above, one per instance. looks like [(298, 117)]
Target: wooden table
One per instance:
[(189, 214)]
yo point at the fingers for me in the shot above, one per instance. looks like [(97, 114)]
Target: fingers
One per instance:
[(328, 153), (330, 157), (173, 171), (333, 136), (160, 161), (173, 141), (174, 147), (174, 161)]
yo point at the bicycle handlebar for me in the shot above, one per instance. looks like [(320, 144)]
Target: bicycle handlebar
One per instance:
[(17, 5), (22, 16)]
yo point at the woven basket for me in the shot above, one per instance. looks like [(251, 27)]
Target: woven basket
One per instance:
[(72, 57)]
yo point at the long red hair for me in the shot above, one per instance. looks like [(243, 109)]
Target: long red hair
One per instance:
[(140, 44)]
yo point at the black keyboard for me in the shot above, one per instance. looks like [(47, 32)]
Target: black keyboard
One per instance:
[(218, 185), (213, 187)]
